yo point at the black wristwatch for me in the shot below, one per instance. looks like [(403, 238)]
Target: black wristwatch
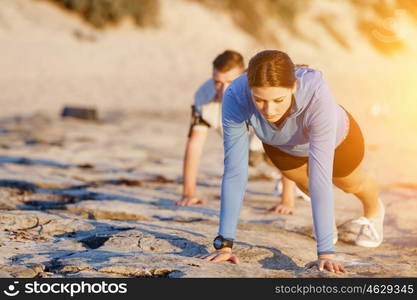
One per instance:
[(220, 242)]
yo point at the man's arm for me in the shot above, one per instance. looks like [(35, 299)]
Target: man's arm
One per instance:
[(193, 151)]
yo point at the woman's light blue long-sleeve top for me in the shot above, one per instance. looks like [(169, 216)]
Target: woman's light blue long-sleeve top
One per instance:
[(315, 126)]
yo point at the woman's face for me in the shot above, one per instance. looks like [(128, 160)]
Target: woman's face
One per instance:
[(272, 102)]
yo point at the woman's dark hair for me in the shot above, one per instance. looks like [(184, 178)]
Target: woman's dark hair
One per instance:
[(271, 68)]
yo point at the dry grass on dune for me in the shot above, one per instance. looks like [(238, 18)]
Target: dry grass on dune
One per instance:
[(100, 13)]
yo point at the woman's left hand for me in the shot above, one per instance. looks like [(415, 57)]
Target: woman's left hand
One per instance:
[(327, 262)]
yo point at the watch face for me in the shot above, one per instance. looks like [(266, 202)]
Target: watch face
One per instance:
[(217, 243)]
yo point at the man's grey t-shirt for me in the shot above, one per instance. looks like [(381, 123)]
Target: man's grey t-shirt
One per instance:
[(210, 111)]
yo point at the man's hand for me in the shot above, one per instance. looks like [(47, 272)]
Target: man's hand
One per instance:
[(222, 255), (282, 209), (192, 155), (189, 201), (327, 262)]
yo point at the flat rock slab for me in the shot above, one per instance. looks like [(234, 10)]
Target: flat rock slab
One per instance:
[(102, 204)]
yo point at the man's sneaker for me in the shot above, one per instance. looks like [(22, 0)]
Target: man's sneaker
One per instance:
[(278, 188), (335, 233), (299, 193), (371, 230)]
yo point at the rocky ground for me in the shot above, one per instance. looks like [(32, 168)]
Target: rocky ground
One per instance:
[(95, 199)]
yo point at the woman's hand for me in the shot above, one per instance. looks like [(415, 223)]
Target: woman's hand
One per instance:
[(327, 262), (222, 255), (282, 209), (189, 201)]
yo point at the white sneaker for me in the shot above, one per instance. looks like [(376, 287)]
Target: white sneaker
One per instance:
[(278, 188), (299, 193), (371, 230)]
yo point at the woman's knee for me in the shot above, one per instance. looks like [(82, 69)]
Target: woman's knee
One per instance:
[(350, 187), (357, 184)]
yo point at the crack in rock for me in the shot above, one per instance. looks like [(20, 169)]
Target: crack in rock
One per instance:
[(94, 242), (108, 215), (127, 271), (26, 271), (19, 184)]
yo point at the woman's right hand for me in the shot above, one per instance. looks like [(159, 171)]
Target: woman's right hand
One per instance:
[(327, 262), (222, 255)]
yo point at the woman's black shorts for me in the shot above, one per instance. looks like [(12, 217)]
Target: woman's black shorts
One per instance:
[(348, 155)]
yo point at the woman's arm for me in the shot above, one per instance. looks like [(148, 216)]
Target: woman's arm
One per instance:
[(235, 176), (322, 126)]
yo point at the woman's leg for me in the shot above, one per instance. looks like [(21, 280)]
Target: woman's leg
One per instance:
[(287, 194), (359, 183), (299, 175), (285, 206), (363, 186)]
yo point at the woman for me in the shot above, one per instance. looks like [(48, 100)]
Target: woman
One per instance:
[(206, 113), (311, 140)]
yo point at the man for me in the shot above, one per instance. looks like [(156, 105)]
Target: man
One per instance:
[(206, 113)]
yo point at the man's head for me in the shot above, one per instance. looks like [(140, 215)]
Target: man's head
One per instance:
[(227, 66)]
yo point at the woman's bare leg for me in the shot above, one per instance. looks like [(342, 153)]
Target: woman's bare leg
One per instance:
[(299, 176), (359, 183), (287, 195), (288, 185), (363, 186)]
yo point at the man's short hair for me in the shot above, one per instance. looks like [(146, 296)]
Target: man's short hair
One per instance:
[(228, 60)]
